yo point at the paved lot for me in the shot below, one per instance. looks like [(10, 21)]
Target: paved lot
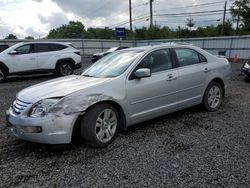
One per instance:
[(190, 148)]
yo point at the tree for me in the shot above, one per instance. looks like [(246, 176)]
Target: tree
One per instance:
[(227, 30), (154, 32), (100, 33), (71, 30), (241, 13), (141, 33), (11, 36), (29, 38)]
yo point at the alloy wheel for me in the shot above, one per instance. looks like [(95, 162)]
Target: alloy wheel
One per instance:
[(66, 69), (106, 125), (214, 96)]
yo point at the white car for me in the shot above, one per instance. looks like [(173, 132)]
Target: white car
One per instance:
[(33, 57)]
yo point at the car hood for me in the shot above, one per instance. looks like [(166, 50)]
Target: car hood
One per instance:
[(58, 88)]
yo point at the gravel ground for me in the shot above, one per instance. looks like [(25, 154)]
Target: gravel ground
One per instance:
[(190, 148)]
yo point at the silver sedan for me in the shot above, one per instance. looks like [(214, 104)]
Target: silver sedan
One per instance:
[(119, 90)]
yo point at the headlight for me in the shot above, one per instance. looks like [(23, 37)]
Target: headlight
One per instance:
[(246, 66), (42, 107)]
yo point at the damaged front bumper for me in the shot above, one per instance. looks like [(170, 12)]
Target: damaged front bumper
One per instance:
[(50, 129)]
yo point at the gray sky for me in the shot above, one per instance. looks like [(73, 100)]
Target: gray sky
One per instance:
[(37, 17)]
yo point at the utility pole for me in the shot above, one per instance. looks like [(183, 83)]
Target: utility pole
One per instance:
[(238, 19), (151, 12), (224, 18), (130, 16)]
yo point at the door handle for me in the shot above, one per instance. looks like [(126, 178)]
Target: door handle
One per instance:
[(206, 70), (171, 77), (32, 58)]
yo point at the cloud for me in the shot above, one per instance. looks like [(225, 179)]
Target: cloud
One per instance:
[(92, 8), (54, 20), (6, 29), (37, 17)]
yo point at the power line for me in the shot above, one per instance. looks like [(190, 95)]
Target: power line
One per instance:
[(198, 4), (191, 13), (166, 21), (195, 15), (134, 19), (144, 16)]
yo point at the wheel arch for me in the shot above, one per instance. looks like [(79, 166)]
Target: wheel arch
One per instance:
[(122, 118), (221, 82), (2, 65)]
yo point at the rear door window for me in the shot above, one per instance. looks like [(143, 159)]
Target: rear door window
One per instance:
[(41, 48), (46, 47), (187, 57)]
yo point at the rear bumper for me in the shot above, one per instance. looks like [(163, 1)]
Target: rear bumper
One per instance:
[(49, 129)]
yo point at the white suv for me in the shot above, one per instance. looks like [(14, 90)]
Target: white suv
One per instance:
[(34, 57)]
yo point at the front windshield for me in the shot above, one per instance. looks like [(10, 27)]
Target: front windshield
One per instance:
[(113, 64)]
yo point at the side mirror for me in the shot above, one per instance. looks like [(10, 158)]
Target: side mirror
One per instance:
[(13, 52), (142, 73)]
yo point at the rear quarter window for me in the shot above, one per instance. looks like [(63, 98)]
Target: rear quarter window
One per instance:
[(61, 47), (202, 58)]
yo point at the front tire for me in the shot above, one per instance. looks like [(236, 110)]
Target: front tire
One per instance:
[(3, 75), (65, 68), (213, 97), (99, 126)]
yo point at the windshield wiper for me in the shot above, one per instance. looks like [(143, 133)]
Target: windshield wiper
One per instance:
[(86, 75)]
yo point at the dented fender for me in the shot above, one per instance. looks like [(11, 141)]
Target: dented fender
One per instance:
[(78, 103)]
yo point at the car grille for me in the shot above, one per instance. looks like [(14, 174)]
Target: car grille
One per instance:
[(19, 106)]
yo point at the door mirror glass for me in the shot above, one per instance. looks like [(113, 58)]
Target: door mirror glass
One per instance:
[(142, 73), (13, 52)]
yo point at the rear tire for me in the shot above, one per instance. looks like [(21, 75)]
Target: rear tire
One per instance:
[(247, 78), (3, 75), (65, 68), (212, 97), (100, 124)]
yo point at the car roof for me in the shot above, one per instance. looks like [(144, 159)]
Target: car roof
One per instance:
[(167, 45), (44, 42)]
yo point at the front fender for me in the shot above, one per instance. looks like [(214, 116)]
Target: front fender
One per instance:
[(5, 67), (79, 103)]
